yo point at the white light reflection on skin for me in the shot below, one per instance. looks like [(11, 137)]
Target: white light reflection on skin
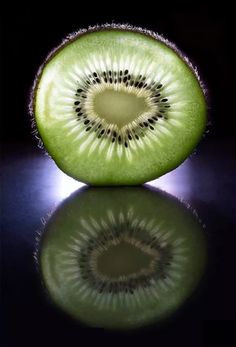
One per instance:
[(65, 185), (56, 184), (176, 182)]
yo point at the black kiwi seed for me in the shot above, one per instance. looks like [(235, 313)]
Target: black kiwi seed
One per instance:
[(126, 78)]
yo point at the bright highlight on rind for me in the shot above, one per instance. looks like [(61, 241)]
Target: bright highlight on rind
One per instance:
[(118, 105)]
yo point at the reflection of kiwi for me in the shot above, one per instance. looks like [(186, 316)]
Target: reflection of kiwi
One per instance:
[(121, 257), (118, 105)]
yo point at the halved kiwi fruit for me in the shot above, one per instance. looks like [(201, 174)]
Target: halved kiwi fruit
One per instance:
[(117, 105), (121, 258)]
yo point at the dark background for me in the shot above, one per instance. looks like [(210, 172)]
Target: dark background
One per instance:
[(204, 34)]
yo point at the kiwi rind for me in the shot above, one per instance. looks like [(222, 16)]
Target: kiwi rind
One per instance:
[(94, 204), (148, 173), (95, 28)]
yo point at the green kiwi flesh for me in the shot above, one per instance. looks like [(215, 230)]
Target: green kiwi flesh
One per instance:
[(121, 258), (117, 105)]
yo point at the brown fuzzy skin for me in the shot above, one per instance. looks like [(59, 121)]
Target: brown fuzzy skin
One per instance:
[(75, 35)]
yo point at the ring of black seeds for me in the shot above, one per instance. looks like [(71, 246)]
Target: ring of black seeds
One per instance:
[(129, 285), (127, 79)]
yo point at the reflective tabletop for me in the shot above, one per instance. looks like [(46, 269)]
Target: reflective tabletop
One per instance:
[(35, 193)]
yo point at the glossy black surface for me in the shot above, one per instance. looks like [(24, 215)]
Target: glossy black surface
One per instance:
[(33, 186)]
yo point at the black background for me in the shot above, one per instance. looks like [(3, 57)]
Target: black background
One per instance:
[(202, 33)]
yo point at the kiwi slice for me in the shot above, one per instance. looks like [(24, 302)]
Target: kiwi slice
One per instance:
[(117, 105), (121, 258)]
